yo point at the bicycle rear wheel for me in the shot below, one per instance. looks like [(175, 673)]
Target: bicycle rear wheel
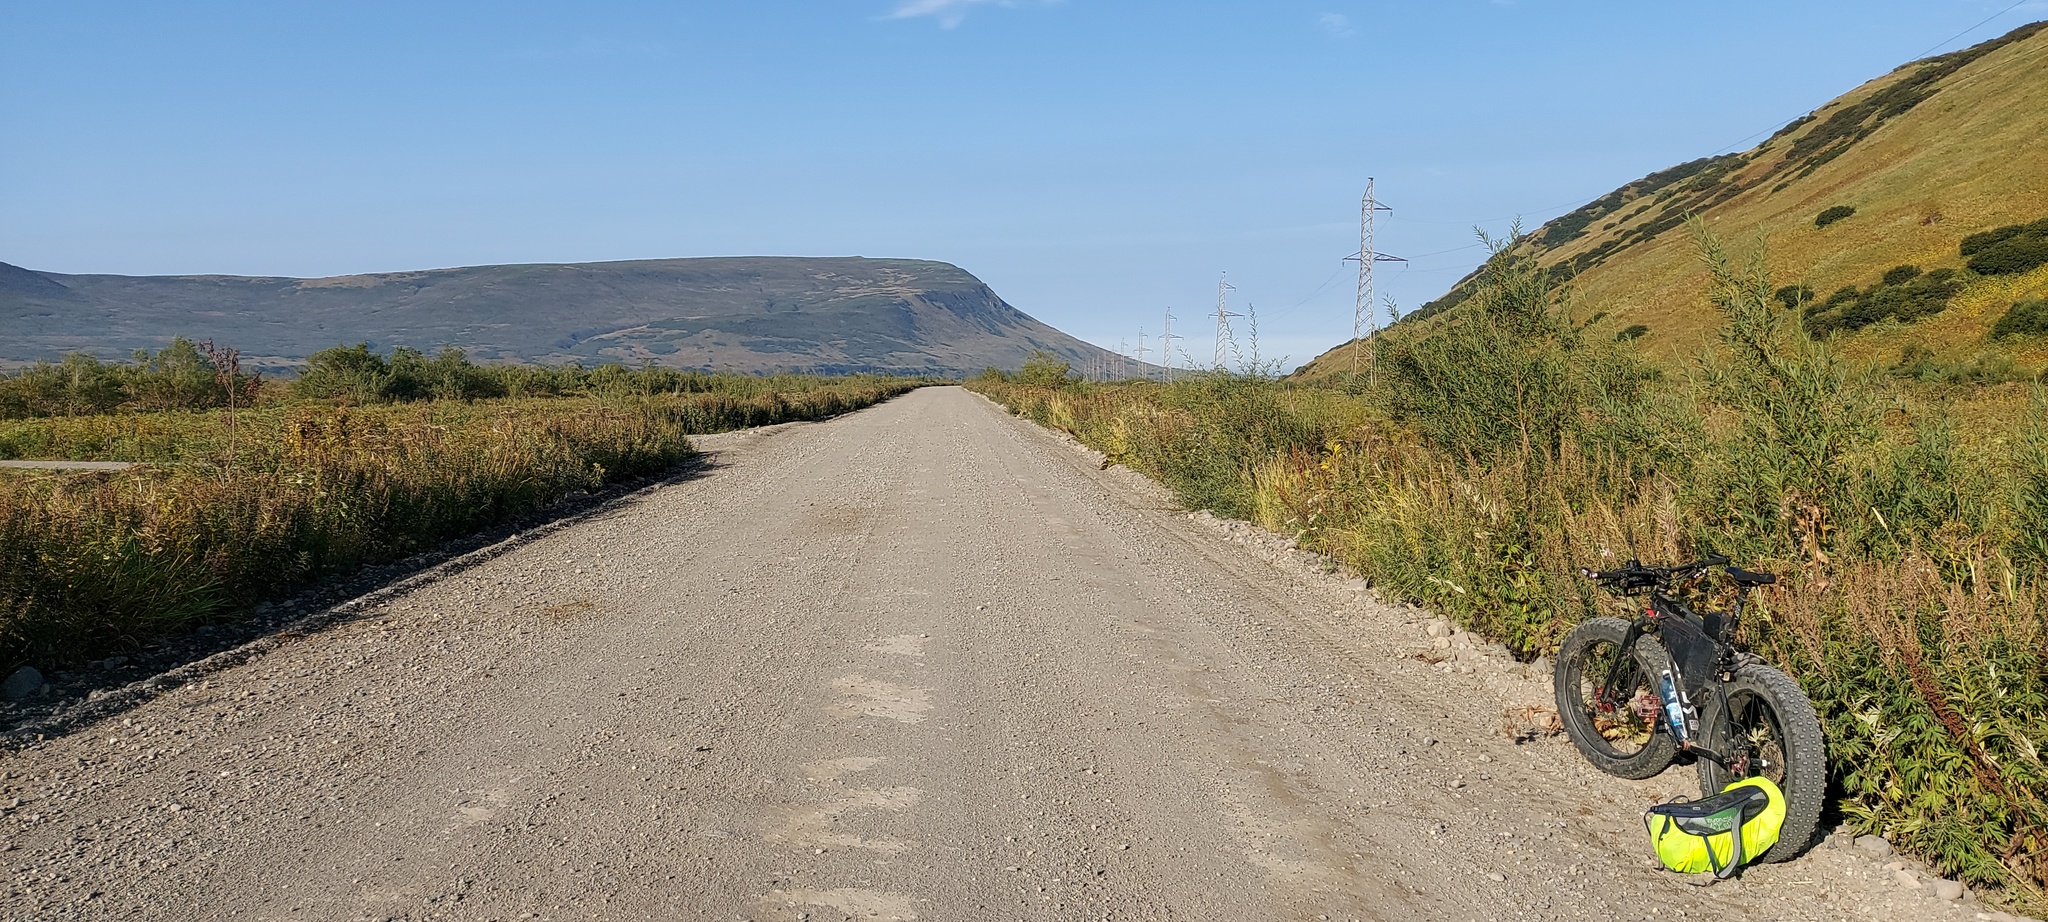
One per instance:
[(1770, 719), (1617, 729)]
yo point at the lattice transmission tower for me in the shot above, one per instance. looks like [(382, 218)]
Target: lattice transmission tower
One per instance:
[(1166, 345), (1364, 318), (1223, 316)]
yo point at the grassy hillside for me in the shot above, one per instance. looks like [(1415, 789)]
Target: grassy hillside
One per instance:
[(741, 314), (1926, 155)]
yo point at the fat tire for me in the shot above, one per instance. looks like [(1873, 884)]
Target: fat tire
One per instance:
[(1805, 776), (1659, 749)]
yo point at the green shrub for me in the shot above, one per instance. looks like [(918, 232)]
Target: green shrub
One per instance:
[(2027, 318), (2007, 250), (1989, 367), (1794, 296), (1917, 362), (1483, 380), (1904, 294), (1832, 214), (2012, 256), (179, 376), (1043, 369), (1976, 242)]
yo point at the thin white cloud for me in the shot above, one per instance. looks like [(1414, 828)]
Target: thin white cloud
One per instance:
[(949, 13), (1336, 24)]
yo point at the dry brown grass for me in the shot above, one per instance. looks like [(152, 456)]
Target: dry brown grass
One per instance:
[(223, 517)]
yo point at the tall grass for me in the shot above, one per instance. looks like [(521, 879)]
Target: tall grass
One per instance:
[(1500, 449), (230, 511)]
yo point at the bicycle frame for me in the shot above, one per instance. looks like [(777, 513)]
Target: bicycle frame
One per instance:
[(1701, 659)]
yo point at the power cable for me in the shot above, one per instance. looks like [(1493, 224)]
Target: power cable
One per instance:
[(1783, 122), (1451, 250), (1571, 204), (1969, 30), (1282, 312)]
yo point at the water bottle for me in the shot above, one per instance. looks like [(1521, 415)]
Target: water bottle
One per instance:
[(1674, 709)]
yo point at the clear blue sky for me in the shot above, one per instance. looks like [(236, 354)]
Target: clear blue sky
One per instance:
[(1094, 160)]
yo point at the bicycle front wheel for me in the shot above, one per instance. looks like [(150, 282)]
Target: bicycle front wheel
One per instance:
[(1616, 727), (1771, 722)]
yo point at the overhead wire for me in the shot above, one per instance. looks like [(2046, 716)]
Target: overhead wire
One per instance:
[(1781, 123), (1937, 45)]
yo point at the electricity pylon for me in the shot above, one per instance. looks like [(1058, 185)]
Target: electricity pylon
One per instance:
[(1166, 344), (1223, 319), (1364, 321)]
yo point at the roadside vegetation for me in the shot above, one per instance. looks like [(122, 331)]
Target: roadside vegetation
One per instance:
[(1489, 455), (247, 490)]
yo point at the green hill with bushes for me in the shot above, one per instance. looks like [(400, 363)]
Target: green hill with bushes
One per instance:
[(1909, 215)]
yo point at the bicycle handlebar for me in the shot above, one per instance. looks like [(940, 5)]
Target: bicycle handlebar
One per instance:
[(1637, 576)]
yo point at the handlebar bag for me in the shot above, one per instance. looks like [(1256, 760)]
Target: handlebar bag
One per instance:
[(1718, 833)]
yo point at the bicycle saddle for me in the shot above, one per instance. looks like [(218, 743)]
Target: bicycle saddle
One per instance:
[(1746, 578)]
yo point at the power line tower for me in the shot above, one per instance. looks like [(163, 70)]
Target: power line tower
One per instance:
[(1166, 344), (1123, 359), (1364, 321), (1141, 353), (1223, 319)]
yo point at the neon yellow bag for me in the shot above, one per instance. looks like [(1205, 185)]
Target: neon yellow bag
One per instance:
[(1694, 836)]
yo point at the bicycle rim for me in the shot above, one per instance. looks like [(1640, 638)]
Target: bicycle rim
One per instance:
[(1615, 713)]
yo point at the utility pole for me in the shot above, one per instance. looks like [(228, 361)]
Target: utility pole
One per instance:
[(1223, 319), (1123, 359), (1364, 321), (1166, 344), (1141, 353)]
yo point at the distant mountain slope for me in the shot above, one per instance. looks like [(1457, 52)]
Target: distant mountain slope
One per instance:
[(742, 314), (1926, 155)]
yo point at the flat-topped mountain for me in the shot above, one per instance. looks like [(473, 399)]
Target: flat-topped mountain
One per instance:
[(746, 314)]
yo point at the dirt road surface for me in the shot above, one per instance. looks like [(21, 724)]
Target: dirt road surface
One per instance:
[(922, 662)]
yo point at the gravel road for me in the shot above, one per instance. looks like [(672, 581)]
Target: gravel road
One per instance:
[(925, 662)]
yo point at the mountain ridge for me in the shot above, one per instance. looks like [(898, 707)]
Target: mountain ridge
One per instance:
[(737, 313)]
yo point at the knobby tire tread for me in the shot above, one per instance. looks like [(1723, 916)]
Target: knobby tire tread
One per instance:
[(1659, 750), (1806, 774)]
